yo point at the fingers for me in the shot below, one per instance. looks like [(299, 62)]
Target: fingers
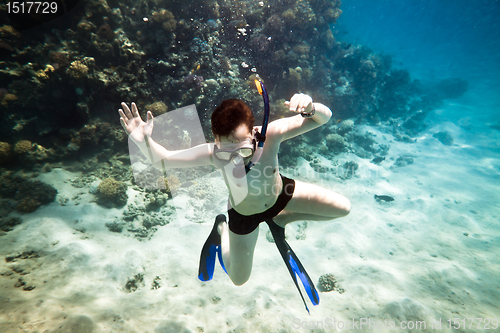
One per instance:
[(150, 118), (127, 110), (295, 103), (135, 112), (124, 124), (303, 101), (122, 115), (299, 102), (128, 113)]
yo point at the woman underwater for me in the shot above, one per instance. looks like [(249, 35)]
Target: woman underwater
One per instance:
[(248, 158)]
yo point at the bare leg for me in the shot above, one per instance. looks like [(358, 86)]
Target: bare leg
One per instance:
[(237, 253), (286, 217), (309, 202), (313, 203)]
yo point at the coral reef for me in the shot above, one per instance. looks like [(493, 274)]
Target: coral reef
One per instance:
[(29, 152), (100, 50), (156, 283), (402, 161), (317, 166), (33, 194), (115, 227), (156, 200), (166, 18), (77, 70), (95, 135), (29, 194), (345, 127), (100, 167), (192, 80), (59, 59), (23, 147), (335, 143), (141, 221), (5, 152), (178, 53), (153, 178), (348, 170), (8, 223), (365, 144), (106, 32), (112, 193), (157, 108), (135, 283), (328, 282)]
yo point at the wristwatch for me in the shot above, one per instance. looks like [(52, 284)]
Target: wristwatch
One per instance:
[(309, 114)]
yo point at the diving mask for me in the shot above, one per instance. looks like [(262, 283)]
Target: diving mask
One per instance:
[(226, 152)]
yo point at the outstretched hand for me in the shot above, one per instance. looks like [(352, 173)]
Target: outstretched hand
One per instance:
[(300, 103), (132, 123)]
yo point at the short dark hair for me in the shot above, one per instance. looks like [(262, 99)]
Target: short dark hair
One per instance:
[(230, 114)]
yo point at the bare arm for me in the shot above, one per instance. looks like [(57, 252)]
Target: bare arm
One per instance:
[(140, 133), (191, 157), (287, 128)]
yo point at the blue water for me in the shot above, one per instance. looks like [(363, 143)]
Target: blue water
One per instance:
[(430, 254), (434, 40)]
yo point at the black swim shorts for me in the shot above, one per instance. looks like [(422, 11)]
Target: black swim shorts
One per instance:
[(245, 224)]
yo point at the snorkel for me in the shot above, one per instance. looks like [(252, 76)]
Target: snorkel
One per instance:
[(261, 137)]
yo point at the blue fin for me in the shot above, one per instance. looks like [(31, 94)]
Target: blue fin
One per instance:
[(207, 262), (293, 264), (304, 277), (210, 250)]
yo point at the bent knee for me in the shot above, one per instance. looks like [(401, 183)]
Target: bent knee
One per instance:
[(239, 280), (342, 207), (239, 275), (347, 208)]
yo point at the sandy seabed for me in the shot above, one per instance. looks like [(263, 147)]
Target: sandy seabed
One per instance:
[(430, 255)]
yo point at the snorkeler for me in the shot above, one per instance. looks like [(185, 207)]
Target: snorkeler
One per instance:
[(248, 158)]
